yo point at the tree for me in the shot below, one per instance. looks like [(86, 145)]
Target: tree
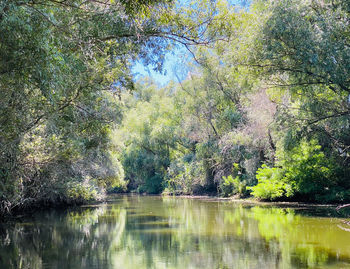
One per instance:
[(63, 63)]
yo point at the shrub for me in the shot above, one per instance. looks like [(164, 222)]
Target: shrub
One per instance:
[(80, 192), (304, 172), (152, 185), (185, 177), (233, 185), (271, 184), (119, 187)]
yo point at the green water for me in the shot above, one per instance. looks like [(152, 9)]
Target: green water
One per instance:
[(155, 232)]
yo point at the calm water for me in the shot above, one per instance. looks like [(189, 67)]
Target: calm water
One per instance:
[(156, 232)]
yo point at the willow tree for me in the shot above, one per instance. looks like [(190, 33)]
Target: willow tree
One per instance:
[(62, 66), (301, 54)]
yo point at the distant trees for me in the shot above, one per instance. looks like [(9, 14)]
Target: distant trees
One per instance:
[(270, 107), (62, 67), (266, 100), (59, 62)]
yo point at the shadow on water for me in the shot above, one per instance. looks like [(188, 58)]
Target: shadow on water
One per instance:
[(163, 232)]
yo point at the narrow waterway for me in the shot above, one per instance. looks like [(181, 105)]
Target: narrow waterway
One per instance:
[(164, 232)]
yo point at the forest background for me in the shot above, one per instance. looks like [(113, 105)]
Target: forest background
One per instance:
[(260, 108)]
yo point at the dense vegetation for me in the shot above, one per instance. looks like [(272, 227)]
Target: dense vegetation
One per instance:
[(266, 113), (263, 109), (62, 66)]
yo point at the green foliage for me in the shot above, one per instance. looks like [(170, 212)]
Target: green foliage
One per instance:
[(152, 185), (271, 184), (63, 65), (231, 186), (66, 111), (78, 192), (118, 188), (243, 100), (306, 174), (314, 175), (184, 177)]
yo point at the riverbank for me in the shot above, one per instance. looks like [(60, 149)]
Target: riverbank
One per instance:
[(324, 209), (246, 201), (21, 213), (28, 210)]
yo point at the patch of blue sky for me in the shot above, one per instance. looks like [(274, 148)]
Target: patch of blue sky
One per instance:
[(174, 68), (175, 62)]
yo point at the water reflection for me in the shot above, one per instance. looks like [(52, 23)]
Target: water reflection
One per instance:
[(155, 232)]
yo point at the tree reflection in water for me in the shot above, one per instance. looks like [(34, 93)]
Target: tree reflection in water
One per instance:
[(156, 232)]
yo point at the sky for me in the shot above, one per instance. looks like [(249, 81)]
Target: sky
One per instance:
[(174, 68), (175, 61)]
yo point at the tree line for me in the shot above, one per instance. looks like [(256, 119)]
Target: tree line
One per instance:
[(265, 114), (263, 111)]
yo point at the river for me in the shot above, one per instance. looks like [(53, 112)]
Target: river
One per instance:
[(165, 232)]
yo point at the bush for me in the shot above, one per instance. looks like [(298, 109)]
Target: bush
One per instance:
[(118, 188), (312, 173), (233, 185), (152, 185), (185, 177), (271, 184), (306, 174), (79, 192)]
